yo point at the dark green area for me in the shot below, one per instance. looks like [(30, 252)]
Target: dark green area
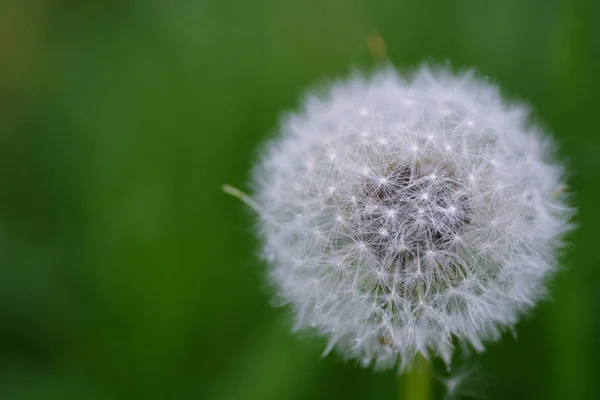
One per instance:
[(126, 273)]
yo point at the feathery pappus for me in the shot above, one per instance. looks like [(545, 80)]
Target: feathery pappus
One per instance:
[(404, 215)]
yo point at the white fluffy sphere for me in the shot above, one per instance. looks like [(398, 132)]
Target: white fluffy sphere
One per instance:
[(401, 215)]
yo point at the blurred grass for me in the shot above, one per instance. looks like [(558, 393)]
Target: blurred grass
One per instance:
[(126, 273)]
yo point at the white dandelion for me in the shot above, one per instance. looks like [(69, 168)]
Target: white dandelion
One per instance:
[(402, 216)]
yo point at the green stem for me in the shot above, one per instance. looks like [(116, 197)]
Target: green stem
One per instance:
[(416, 384)]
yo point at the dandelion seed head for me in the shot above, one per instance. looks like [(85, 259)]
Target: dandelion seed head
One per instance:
[(404, 199)]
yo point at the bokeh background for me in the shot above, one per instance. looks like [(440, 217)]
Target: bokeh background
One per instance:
[(126, 273)]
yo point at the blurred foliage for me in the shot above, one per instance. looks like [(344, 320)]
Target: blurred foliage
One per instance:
[(126, 273)]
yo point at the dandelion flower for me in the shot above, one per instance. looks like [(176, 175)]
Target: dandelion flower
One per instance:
[(402, 216)]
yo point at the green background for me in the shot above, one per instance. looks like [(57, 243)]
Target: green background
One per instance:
[(126, 273)]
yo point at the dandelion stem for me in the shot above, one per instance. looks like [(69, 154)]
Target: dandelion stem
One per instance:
[(416, 384)]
